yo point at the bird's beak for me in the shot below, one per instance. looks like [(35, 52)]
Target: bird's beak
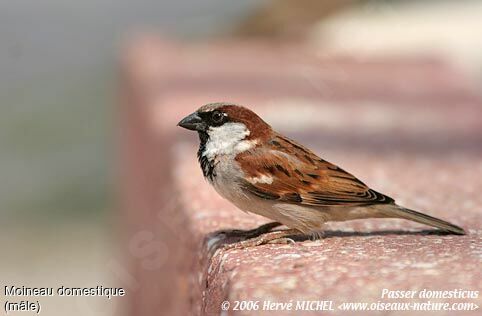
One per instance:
[(193, 122)]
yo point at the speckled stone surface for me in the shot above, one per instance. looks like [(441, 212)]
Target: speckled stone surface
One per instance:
[(410, 129), (355, 260)]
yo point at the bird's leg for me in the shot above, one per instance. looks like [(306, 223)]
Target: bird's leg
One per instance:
[(275, 237), (215, 239), (251, 233)]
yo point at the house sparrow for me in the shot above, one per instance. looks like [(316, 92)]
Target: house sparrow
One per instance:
[(266, 173)]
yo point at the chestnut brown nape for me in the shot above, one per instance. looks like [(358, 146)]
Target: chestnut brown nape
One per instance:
[(257, 127)]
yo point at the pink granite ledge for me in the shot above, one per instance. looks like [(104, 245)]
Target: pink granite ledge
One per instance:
[(432, 164)]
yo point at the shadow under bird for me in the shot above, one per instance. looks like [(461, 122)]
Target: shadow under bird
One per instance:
[(266, 173)]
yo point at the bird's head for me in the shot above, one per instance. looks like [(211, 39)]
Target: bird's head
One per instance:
[(227, 127)]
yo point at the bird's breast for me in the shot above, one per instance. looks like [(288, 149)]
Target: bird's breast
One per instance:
[(226, 178)]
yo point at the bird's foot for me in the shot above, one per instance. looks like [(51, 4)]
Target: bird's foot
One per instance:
[(282, 241), (275, 237), (251, 233), (236, 235)]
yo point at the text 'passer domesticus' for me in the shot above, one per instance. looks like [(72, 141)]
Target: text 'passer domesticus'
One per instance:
[(266, 173)]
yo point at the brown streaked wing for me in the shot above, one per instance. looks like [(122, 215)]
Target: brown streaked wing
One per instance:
[(300, 176)]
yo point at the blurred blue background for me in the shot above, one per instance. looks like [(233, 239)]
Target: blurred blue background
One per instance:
[(57, 85)]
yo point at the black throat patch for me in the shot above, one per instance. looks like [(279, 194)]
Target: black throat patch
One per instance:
[(207, 166)]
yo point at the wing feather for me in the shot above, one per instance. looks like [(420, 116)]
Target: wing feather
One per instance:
[(297, 175)]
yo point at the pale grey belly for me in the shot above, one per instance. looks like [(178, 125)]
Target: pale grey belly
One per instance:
[(228, 184), (307, 219)]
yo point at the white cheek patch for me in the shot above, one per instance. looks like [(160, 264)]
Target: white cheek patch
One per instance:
[(227, 139), (261, 179), (245, 145)]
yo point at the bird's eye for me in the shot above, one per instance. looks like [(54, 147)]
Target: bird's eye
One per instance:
[(217, 117)]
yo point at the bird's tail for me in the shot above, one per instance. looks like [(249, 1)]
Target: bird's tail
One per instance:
[(396, 211)]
